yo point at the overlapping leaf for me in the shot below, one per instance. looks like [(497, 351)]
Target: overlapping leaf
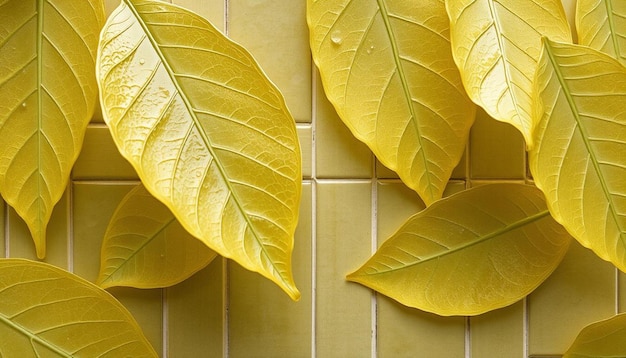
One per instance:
[(387, 68), (48, 92), (579, 160), (475, 251), (207, 132), (601, 24), (146, 247), (496, 45), (48, 312), (604, 339)]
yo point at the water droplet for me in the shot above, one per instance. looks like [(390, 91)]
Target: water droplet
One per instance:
[(23, 104), (370, 49), (142, 61), (336, 38)]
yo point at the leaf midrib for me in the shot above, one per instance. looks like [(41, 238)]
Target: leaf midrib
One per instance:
[(203, 135), (510, 227), (609, 16), (407, 93), (33, 337), (583, 133)]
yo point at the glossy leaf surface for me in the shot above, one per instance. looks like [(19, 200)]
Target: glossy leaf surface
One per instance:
[(207, 132), (578, 160), (48, 312), (387, 68), (48, 91), (601, 24), (146, 247), (496, 45), (470, 253), (604, 339)]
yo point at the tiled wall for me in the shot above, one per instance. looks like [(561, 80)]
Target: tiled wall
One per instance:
[(350, 205)]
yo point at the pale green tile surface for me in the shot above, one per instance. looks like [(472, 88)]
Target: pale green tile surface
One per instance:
[(195, 314), (499, 333), (262, 315), (276, 34), (3, 237), (99, 159), (581, 291), (343, 309), (305, 134)]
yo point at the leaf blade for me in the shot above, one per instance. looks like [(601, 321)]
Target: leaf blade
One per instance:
[(580, 135), (464, 254), (600, 339), (145, 246), (43, 305), (387, 67), (600, 26), (215, 143), (496, 45), (47, 51)]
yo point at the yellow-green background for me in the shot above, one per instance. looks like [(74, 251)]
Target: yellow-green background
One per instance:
[(350, 205)]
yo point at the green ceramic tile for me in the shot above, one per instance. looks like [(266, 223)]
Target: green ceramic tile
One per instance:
[(3, 238), (579, 292), (195, 312), (100, 159), (212, 10), (94, 205), (305, 134), (497, 150), (262, 315), (403, 331), (499, 333), (21, 243), (276, 34), (382, 172), (338, 153), (343, 309), (408, 332)]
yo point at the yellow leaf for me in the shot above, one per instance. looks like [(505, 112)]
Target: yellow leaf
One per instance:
[(48, 91), (146, 247), (475, 251), (578, 160), (209, 135), (387, 68), (600, 25), (605, 338), (496, 45), (48, 312)]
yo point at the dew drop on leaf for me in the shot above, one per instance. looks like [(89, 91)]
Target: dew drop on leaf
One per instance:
[(142, 61), (336, 38)]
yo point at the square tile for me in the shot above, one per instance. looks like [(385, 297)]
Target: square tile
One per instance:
[(100, 159)]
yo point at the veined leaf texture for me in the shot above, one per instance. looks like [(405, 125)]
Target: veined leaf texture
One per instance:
[(387, 68), (496, 45), (578, 160), (49, 312), (470, 253), (209, 135), (603, 339), (146, 247), (601, 24), (48, 91)]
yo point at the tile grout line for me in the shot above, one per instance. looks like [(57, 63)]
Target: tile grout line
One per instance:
[(165, 320), (525, 326), (314, 85), (617, 305), (468, 338), (374, 247), (6, 229), (70, 227)]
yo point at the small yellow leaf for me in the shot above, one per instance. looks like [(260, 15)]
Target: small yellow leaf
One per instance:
[(387, 68), (146, 247), (48, 312), (578, 160), (208, 134), (48, 93), (475, 251), (604, 339), (600, 25), (496, 45)]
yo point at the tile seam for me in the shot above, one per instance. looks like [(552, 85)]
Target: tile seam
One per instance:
[(314, 180)]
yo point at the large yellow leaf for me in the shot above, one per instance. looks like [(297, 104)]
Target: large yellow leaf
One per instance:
[(603, 339), (146, 247), (48, 92), (470, 253), (48, 312), (496, 45), (579, 158), (387, 68), (207, 132), (601, 24)]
